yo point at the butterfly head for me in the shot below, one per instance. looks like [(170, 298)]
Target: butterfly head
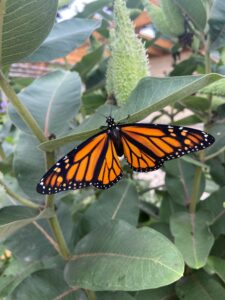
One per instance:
[(110, 122)]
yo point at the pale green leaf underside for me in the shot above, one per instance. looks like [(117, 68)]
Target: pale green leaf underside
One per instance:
[(53, 100), (64, 38), (12, 218), (23, 27), (15, 275), (192, 236), (123, 205), (150, 95)]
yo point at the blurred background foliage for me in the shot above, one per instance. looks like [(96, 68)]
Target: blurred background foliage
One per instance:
[(167, 228)]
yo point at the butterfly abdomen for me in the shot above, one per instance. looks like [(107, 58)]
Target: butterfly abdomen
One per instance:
[(115, 136)]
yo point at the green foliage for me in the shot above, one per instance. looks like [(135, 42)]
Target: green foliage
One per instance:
[(138, 240), (167, 18), (49, 90), (216, 22), (120, 246), (15, 217), (24, 24), (64, 37), (192, 237), (210, 287), (195, 10)]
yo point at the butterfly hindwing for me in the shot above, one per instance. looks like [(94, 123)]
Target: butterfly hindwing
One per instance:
[(146, 147), (83, 167), (110, 169)]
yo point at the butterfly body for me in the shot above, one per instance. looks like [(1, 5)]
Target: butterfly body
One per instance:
[(114, 134), (95, 162)]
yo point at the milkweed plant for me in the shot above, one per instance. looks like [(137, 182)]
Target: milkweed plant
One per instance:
[(161, 236)]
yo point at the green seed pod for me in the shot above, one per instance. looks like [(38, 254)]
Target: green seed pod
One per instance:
[(128, 63), (173, 16)]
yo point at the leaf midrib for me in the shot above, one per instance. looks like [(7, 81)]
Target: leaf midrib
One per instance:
[(112, 254), (120, 202)]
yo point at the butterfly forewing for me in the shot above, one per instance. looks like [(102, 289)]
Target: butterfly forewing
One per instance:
[(146, 147), (94, 162)]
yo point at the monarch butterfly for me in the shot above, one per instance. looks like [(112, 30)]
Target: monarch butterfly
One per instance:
[(96, 161)]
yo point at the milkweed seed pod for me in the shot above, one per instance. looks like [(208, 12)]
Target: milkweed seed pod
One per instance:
[(167, 18), (128, 63)]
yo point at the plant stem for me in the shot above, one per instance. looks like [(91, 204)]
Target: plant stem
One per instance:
[(91, 295), (18, 198), (2, 153), (54, 222), (208, 64), (56, 229), (21, 109), (195, 192)]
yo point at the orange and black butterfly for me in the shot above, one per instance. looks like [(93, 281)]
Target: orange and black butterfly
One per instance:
[(96, 163)]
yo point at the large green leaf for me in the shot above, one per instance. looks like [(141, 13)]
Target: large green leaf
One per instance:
[(192, 237), (64, 38), (114, 296), (218, 247), (119, 202), (17, 272), (195, 11), (167, 292), (180, 174), (216, 265), (29, 165), (216, 166), (46, 285), (29, 243), (136, 256), (217, 131), (151, 94), (12, 218), (200, 286), (53, 100), (23, 27), (169, 207), (214, 204), (94, 7), (217, 24)]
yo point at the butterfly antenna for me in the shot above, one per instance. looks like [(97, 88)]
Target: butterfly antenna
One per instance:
[(110, 112)]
